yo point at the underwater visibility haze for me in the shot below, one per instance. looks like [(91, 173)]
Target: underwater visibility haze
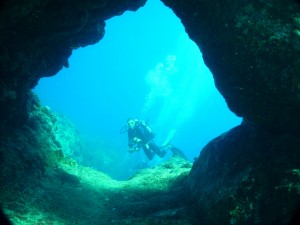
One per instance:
[(145, 67)]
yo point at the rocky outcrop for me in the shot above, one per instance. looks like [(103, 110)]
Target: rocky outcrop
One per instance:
[(40, 185), (247, 176), (37, 176), (36, 40), (27, 152), (253, 51)]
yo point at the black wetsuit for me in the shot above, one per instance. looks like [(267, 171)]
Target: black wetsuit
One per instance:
[(141, 132)]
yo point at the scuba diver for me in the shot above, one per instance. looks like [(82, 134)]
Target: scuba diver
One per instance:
[(140, 135)]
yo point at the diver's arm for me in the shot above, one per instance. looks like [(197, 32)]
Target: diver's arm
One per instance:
[(133, 142)]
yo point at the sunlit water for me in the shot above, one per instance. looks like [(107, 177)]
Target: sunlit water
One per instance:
[(146, 67)]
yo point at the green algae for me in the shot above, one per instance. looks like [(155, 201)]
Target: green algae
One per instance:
[(42, 184), (95, 198)]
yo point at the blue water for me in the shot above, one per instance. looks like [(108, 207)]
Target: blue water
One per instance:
[(146, 67)]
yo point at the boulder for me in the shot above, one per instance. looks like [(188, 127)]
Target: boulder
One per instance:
[(247, 176)]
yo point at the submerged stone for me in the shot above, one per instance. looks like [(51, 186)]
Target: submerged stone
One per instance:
[(247, 176)]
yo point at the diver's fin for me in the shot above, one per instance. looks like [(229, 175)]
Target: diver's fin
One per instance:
[(178, 152), (169, 137)]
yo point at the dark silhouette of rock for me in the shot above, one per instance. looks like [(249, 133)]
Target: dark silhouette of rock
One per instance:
[(37, 38), (247, 176), (252, 49), (3, 219)]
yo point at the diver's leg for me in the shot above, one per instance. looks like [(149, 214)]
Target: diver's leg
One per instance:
[(174, 150), (150, 154), (160, 152)]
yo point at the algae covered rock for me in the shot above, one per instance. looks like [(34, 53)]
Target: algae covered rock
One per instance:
[(247, 176), (38, 175), (253, 51), (38, 37), (154, 196)]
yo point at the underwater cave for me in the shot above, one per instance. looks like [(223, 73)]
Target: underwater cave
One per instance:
[(248, 174)]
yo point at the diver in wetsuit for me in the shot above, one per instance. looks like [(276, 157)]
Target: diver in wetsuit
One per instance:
[(140, 135)]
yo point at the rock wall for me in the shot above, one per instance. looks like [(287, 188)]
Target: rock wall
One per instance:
[(27, 152), (38, 37), (252, 49), (249, 175)]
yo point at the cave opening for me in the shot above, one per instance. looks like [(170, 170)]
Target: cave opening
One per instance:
[(145, 67)]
